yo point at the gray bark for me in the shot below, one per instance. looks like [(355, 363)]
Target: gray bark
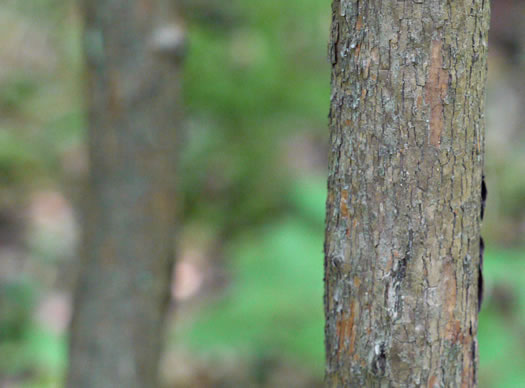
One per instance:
[(132, 51), (404, 192)]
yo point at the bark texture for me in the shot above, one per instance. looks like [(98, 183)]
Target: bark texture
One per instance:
[(404, 192), (132, 50)]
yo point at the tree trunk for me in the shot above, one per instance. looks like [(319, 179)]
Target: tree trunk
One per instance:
[(132, 51), (404, 192)]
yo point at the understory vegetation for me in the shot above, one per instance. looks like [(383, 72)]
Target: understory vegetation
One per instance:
[(247, 300)]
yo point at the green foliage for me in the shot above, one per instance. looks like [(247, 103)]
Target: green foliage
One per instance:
[(511, 182), (25, 347), (248, 88), (502, 321), (16, 304), (17, 159), (15, 92), (274, 305)]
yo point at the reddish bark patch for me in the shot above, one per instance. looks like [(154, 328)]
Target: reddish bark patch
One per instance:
[(435, 90), (419, 102), (357, 50), (453, 332), (357, 282), (344, 203), (346, 329), (432, 382), (359, 23)]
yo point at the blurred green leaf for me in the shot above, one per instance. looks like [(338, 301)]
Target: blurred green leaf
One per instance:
[(274, 305)]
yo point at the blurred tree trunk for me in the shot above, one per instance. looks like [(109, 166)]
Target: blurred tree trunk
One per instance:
[(132, 50), (507, 38), (403, 208)]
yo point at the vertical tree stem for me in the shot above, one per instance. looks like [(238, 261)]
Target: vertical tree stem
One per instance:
[(127, 252), (404, 192)]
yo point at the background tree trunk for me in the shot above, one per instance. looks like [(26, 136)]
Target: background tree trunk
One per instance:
[(403, 208), (132, 50)]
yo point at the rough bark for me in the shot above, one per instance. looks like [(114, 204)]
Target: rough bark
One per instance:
[(132, 50), (404, 192)]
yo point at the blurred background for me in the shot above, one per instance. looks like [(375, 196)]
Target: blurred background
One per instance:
[(247, 297)]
